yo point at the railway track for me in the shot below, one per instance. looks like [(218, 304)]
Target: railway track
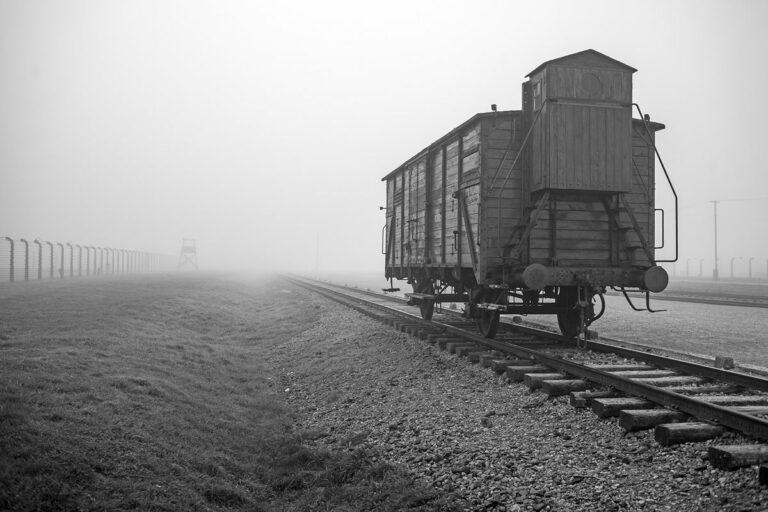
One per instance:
[(683, 401), (719, 299)]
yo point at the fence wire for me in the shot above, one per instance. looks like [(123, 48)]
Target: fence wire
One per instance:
[(32, 260)]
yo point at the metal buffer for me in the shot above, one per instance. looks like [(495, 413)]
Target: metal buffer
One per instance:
[(188, 254)]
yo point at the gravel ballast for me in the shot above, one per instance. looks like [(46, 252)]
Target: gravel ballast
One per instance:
[(355, 383)]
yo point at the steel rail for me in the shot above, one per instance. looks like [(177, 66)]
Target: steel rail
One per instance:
[(702, 370), (745, 423)]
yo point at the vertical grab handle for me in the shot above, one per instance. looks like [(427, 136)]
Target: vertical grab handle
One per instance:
[(384, 239), (662, 227)]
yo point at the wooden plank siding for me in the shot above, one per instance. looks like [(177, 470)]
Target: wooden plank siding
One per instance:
[(476, 160), (502, 185)]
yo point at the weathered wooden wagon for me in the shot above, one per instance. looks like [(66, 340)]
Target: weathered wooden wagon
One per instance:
[(533, 211)]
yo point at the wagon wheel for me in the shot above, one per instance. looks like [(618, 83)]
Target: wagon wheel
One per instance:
[(427, 307), (488, 322), (570, 321)]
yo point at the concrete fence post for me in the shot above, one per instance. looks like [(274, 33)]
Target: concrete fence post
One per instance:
[(12, 276), (26, 258), (61, 268), (39, 258)]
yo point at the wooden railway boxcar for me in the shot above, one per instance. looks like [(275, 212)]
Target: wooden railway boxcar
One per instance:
[(554, 201)]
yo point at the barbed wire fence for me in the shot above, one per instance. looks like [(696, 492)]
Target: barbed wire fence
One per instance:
[(33, 260)]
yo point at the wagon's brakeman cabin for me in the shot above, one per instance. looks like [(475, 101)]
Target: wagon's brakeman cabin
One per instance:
[(535, 210)]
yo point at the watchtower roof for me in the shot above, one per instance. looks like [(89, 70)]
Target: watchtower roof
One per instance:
[(590, 57)]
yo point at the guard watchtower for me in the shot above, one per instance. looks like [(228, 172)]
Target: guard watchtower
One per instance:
[(188, 254)]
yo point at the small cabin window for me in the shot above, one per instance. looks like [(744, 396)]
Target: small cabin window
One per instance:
[(536, 96)]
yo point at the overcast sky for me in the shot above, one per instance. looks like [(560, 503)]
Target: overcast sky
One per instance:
[(257, 126)]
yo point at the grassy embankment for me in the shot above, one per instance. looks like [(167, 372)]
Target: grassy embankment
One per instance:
[(150, 394)]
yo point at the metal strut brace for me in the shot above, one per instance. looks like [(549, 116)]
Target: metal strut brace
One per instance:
[(648, 304), (630, 300)]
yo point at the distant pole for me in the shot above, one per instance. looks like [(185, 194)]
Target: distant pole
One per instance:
[(61, 267), (317, 255), (50, 245), (701, 267), (714, 272), (12, 276), (39, 258), (688, 267), (26, 258), (71, 259), (750, 266)]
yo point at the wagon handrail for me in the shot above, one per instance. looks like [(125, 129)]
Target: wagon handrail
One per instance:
[(669, 181), (525, 141), (512, 168)]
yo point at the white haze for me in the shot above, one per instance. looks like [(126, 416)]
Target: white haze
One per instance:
[(259, 127)]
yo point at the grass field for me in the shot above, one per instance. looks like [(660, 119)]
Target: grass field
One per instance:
[(152, 394)]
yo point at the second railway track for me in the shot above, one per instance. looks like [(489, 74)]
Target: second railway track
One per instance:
[(683, 401)]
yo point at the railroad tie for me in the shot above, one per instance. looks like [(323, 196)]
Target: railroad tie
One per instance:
[(517, 373), (632, 374), (736, 399), (620, 367), (633, 420), (668, 434), (582, 399), (432, 338), (704, 390), (534, 380), (669, 381), (501, 365), (460, 349), (476, 357), (442, 342), (737, 456), (612, 407), (562, 387)]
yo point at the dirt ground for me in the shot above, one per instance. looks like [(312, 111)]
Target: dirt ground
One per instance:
[(211, 392), (152, 393)]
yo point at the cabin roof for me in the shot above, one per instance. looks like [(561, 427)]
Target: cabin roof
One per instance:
[(589, 57), (472, 120), (651, 125)]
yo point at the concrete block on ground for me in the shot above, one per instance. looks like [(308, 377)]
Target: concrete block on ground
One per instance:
[(612, 407), (693, 431), (533, 380), (737, 455), (632, 420), (560, 387), (517, 373)]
